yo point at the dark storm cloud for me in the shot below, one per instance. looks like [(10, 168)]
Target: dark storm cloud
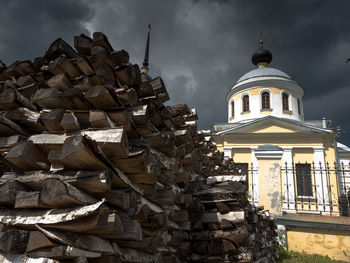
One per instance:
[(27, 28), (200, 48)]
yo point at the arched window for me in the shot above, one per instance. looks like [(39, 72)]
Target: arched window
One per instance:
[(245, 103), (285, 99), (265, 100), (299, 112), (232, 109)]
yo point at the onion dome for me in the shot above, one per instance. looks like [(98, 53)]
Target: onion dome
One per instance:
[(262, 56)]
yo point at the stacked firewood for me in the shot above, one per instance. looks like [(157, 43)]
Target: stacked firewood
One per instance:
[(96, 168), (229, 229)]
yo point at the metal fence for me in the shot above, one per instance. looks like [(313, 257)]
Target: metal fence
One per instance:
[(309, 187)]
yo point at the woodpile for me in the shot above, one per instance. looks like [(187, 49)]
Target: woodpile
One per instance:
[(96, 168), (229, 229)]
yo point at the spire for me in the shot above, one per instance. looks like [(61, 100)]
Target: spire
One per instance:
[(145, 61), (261, 41)]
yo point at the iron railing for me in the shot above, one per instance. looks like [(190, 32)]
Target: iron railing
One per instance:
[(308, 187)]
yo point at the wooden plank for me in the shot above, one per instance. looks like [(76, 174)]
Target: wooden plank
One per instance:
[(10, 99), (23, 258), (91, 182), (30, 217), (8, 127)]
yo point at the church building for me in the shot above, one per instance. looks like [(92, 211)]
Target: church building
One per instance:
[(296, 168)]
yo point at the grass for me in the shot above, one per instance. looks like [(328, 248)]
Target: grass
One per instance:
[(295, 257)]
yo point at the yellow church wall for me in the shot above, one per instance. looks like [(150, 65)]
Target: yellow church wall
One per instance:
[(330, 242), (256, 90), (243, 155), (303, 155)]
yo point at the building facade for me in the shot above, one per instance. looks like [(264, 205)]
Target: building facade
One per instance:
[(294, 167)]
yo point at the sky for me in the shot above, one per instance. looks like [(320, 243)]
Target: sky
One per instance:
[(201, 48)]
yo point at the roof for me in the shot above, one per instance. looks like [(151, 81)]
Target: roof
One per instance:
[(263, 72)]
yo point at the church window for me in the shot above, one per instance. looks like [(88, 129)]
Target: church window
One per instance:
[(299, 112), (285, 101), (265, 100), (232, 109), (245, 103), (303, 178)]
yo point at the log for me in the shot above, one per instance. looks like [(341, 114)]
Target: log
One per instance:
[(27, 118), (126, 96), (77, 155), (63, 65), (119, 198), (58, 47), (48, 99), (38, 240), (100, 98), (74, 99), (84, 66), (63, 252), (10, 99), (8, 192), (109, 228), (57, 194), (99, 119), (126, 75), (83, 44), (14, 241), (60, 82), (100, 55), (83, 83), (100, 39), (26, 156), (86, 242), (120, 57), (28, 199), (106, 73), (52, 119), (219, 247), (6, 143), (69, 122)]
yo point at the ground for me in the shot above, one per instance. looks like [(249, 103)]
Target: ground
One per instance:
[(295, 257)]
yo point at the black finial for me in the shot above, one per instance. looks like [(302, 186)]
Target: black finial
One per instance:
[(145, 61), (262, 55)]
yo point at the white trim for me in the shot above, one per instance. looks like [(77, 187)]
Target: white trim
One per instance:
[(288, 178), (255, 178), (260, 98), (321, 180), (268, 154)]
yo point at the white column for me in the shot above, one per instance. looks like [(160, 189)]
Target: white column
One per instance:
[(255, 178), (228, 151), (288, 180), (321, 180)]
